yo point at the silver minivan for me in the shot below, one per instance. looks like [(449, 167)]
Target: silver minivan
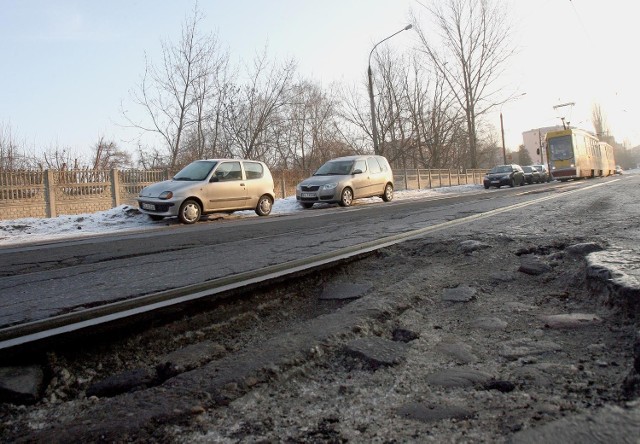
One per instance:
[(210, 186), (344, 179)]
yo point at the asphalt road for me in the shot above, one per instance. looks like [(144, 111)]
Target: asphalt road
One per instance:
[(40, 281)]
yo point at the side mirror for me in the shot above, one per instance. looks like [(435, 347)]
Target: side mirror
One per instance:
[(358, 171), (214, 179)]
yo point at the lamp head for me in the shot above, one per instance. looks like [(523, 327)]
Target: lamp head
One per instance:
[(408, 27)]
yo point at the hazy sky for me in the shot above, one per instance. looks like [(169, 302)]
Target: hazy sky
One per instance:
[(67, 65)]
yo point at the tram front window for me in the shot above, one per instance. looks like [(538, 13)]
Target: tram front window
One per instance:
[(560, 148)]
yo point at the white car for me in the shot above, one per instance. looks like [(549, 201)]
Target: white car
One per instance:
[(210, 186)]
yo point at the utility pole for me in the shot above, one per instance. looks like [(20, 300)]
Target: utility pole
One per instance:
[(374, 126)]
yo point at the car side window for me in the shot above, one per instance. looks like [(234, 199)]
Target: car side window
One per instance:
[(253, 170), (360, 165), (229, 171), (374, 166)]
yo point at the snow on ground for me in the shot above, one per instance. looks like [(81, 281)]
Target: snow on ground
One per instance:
[(127, 218)]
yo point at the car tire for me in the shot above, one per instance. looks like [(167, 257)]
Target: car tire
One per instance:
[(306, 205), (346, 197), (265, 204), (387, 196), (155, 217), (190, 212), (486, 187)]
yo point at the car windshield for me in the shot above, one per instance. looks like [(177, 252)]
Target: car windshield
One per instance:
[(195, 171), (335, 167), (527, 169), (501, 169), (538, 167)]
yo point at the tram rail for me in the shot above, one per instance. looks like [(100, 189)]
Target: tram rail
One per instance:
[(21, 336)]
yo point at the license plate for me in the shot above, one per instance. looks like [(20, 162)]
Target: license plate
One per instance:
[(495, 181), (311, 195), (147, 206)]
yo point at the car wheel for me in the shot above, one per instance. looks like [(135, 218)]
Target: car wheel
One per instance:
[(306, 205), (346, 198), (486, 187), (388, 193), (264, 206), (190, 212), (155, 217)]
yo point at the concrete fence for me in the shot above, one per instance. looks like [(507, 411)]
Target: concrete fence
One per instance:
[(51, 193)]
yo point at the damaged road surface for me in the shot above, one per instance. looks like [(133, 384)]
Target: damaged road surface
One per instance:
[(509, 329)]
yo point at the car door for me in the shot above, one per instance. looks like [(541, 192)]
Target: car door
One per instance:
[(360, 181), (257, 182), (226, 189), (377, 178)]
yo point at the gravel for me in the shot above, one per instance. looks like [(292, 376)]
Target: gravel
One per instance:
[(468, 337)]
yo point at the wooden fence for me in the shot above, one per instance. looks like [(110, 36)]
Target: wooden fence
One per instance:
[(52, 193)]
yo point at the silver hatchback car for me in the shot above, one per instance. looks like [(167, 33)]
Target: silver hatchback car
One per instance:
[(344, 179), (210, 186)]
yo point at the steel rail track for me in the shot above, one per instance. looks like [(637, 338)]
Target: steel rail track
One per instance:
[(83, 321)]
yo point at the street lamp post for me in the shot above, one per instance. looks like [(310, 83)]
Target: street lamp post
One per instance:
[(504, 149), (374, 127)]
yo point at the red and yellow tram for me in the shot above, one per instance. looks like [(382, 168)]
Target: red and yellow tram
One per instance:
[(576, 154)]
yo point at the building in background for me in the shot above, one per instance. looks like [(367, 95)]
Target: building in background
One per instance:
[(534, 143)]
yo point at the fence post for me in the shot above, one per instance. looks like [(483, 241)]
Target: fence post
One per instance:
[(430, 184), (50, 194), (418, 174), (115, 188), (283, 186), (406, 180), (449, 176)]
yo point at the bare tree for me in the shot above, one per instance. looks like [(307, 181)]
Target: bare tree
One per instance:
[(599, 121), (252, 111), (9, 157), (150, 158), (59, 158), (470, 53), (435, 120), (392, 110), (107, 155), (173, 92), (310, 128)]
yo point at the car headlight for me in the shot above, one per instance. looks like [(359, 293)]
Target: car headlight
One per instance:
[(329, 186), (166, 195)]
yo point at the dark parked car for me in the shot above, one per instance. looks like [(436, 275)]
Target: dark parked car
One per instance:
[(500, 175), (544, 173), (531, 174)]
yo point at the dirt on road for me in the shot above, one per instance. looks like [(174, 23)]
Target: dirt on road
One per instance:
[(477, 338)]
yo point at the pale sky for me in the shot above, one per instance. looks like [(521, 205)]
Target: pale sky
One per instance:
[(69, 64)]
